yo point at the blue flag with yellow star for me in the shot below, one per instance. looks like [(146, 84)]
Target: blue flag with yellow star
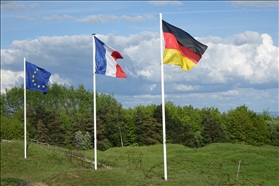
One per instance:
[(36, 78)]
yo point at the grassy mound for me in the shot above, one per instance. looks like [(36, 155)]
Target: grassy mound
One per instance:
[(215, 164)]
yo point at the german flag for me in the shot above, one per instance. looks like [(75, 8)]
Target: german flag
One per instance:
[(181, 48)]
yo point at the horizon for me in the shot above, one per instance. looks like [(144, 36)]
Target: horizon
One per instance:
[(272, 113)]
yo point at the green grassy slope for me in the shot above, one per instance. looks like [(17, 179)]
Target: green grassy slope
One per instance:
[(216, 164)]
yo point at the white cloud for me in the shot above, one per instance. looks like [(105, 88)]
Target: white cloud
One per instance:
[(26, 18), (152, 86), (183, 87), (147, 96), (163, 3), (248, 60), (95, 19), (145, 55), (145, 73), (58, 18), (255, 3), (11, 5), (10, 78), (98, 19), (55, 78), (247, 56), (138, 18), (230, 93), (63, 56), (34, 6)]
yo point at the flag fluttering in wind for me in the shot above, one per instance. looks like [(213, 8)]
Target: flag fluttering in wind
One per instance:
[(104, 62), (36, 78), (180, 47), (105, 58)]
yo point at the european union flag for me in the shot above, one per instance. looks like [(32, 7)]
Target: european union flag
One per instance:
[(36, 78)]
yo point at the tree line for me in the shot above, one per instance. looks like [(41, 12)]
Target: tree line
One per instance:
[(65, 114)]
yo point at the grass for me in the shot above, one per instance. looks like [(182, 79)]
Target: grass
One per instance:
[(215, 164)]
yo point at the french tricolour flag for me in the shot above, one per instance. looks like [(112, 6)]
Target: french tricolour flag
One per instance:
[(105, 60)]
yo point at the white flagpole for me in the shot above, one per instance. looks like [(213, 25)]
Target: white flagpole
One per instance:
[(94, 100), (25, 145), (163, 100)]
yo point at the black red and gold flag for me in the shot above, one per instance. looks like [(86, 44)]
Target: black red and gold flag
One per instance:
[(180, 47)]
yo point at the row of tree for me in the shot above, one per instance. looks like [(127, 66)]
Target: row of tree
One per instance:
[(64, 114)]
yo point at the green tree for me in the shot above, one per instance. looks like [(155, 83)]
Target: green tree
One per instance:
[(13, 100), (56, 130), (174, 127), (127, 127), (42, 132), (87, 141), (192, 116), (3, 105), (36, 116), (12, 127), (148, 130), (213, 131), (79, 139), (188, 136), (245, 126), (191, 120), (273, 126)]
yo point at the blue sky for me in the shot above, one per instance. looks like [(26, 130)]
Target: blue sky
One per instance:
[(240, 66)]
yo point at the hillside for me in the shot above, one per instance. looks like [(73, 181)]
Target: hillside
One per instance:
[(215, 164)]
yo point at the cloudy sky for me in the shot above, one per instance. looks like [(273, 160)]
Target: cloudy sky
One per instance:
[(240, 66)]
